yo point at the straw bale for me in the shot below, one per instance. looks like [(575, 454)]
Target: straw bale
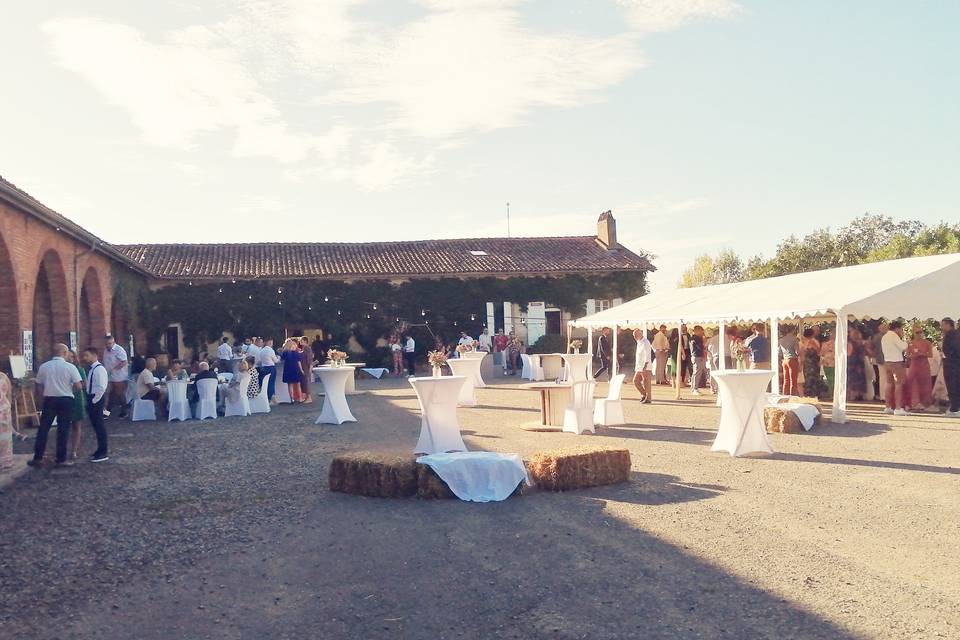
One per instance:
[(430, 485), (578, 468), (778, 420), (374, 474)]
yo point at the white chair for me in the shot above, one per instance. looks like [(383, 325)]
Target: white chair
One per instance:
[(260, 403), (177, 406), (609, 411), (578, 416), (241, 406), (144, 410), (207, 390), (527, 371), (282, 393)]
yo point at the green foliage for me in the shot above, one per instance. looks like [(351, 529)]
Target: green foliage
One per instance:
[(550, 344), (725, 267), (868, 238)]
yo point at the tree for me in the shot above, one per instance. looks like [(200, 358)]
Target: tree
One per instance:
[(705, 270)]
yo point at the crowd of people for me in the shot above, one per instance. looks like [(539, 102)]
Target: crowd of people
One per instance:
[(897, 365)]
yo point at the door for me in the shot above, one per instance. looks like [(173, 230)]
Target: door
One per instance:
[(173, 342)]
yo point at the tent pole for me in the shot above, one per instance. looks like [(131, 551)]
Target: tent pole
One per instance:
[(723, 345), (679, 350), (590, 348), (839, 413), (613, 354), (775, 354)]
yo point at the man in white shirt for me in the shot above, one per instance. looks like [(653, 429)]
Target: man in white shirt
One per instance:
[(268, 367), (225, 354), (253, 349), (56, 382), (894, 346), (643, 367), (410, 355), (97, 383), (661, 345), (115, 361), (465, 340), (486, 341)]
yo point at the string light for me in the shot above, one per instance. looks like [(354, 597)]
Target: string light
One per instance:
[(280, 302), (221, 289), (234, 281), (368, 316), (422, 313), (279, 289), (374, 306), (190, 284), (249, 297), (473, 316), (309, 308), (338, 312)]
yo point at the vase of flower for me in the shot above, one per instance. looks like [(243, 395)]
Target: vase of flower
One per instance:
[(337, 358), (576, 345), (437, 359), (740, 365)]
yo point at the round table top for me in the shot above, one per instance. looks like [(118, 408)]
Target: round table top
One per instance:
[(331, 369), (540, 386), (733, 373), (345, 364)]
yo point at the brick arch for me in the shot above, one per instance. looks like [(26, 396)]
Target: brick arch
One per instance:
[(92, 315), (51, 307), (10, 340), (119, 326)]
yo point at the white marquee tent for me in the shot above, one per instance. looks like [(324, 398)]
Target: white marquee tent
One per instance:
[(923, 287)]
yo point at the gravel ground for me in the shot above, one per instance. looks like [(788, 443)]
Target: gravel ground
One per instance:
[(226, 530)]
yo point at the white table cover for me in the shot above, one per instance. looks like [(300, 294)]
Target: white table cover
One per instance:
[(552, 364), (376, 372), (743, 395), (577, 366), (469, 368), (439, 428), (479, 476), (478, 356), (335, 408)]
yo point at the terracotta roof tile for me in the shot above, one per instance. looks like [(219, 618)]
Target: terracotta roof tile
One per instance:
[(423, 258)]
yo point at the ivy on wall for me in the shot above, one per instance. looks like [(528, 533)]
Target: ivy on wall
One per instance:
[(365, 311)]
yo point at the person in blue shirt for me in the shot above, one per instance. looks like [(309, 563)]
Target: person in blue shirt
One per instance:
[(759, 347)]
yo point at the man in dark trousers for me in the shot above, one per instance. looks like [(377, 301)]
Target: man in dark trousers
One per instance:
[(604, 351), (96, 390), (56, 380), (951, 365)]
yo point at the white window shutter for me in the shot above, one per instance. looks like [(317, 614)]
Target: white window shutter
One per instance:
[(591, 306), (616, 302)]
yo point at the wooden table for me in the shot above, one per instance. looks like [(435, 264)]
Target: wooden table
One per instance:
[(554, 399)]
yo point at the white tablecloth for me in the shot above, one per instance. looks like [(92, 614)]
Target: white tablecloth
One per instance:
[(478, 356), (577, 366), (335, 408), (743, 398), (552, 364), (376, 372), (469, 368), (479, 476), (439, 428), (806, 413)]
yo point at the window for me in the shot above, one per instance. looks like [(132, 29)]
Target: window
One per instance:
[(603, 305)]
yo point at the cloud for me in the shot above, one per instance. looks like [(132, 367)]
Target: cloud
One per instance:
[(665, 15), (337, 90)]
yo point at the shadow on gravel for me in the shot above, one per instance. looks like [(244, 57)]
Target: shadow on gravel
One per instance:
[(660, 433), (848, 430), (878, 464), (654, 489)]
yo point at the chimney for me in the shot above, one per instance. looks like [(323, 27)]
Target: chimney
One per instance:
[(607, 230)]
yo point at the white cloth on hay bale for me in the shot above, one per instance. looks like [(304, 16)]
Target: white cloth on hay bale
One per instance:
[(806, 413), (478, 476), (376, 372)]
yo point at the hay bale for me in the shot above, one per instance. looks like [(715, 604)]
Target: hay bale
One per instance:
[(430, 486), (579, 468), (374, 474), (779, 420)]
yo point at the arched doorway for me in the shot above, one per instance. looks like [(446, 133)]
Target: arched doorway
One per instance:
[(93, 324), (51, 307), (118, 323), (10, 338)]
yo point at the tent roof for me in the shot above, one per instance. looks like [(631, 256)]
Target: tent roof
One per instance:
[(924, 287)]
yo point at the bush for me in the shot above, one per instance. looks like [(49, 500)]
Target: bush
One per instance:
[(550, 344)]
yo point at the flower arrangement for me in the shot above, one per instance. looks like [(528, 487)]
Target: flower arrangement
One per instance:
[(337, 357), (463, 348), (576, 345), (437, 359), (739, 353)]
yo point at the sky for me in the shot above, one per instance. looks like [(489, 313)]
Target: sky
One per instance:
[(702, 124)]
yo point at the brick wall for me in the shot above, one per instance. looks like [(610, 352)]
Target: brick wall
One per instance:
[(44, 276)]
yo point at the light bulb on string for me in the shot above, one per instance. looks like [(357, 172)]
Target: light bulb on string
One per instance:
[(279, 289), (374, 306), (368, 316), (326, 298), (309, 308), (423, 313), (280, 302), (249, 297), (221, 289), (473, 316), (338, 312), (234, 281)]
